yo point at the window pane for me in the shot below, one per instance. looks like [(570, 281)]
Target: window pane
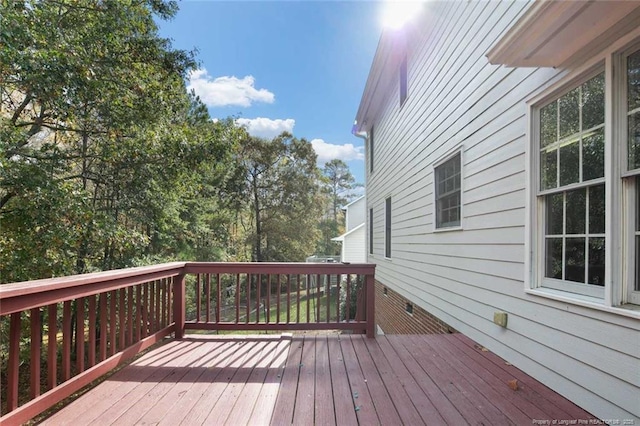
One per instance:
[(548, 169), (593, 155), (596, 261), (549, 124), (569, 164), (554, 214), (633, 80), (596, 209), (593, 102), (569, 113), (574, 259), (554, 258), (634, 140), (637, 262), (576, 211)]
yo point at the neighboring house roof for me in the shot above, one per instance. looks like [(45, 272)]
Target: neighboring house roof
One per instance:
[(354, 201), (342, 237)]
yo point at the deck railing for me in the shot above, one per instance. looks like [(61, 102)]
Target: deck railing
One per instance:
[(64, 333)]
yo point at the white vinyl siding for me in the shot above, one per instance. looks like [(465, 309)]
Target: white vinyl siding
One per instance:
[(458, 99)]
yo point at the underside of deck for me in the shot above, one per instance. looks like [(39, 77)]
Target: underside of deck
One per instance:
[(323, 379)]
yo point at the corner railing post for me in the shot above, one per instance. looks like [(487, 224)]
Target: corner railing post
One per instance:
[(371, 304), (179, 305)]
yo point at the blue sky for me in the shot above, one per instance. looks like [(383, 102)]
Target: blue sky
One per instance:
[(299, 66)]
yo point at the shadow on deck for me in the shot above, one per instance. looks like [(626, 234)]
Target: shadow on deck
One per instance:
[(338, 379)]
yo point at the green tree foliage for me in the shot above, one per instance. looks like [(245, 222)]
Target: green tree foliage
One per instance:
[(338, 183), (277, 181), (105, 159)]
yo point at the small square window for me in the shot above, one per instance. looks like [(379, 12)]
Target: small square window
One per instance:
[(448, 192), (409, 308)]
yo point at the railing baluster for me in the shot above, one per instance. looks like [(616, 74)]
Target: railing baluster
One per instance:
[(92, 331), (15, 327), (198, 299), (112, 323), (80, 334), (121, 318), (163, 324), (152, 307), (218, 296), (145, 310), (348, 300), (328, 297), (249, 279), (298, 299), (237, 298), (258, 288), (207, 293), (66, 340), (156, 317), (268, 315), (308, 285), (129, 339), (288, 298), (318, 296), (279, 294), (338, 282), (34, 364), (138, 313), (103, 326)]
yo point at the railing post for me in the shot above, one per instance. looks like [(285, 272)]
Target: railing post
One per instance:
[(371, 304), (179, 317)]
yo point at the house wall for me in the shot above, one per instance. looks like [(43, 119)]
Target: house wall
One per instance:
[(457, 100), (353, 246), (355, 214)]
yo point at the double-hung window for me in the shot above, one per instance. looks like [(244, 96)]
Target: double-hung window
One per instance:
[(586, 242), (448, 200)]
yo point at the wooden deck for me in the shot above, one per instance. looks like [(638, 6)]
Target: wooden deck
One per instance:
[(322, 379)]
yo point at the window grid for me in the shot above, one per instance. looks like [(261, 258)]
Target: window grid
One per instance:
[(448, 184)]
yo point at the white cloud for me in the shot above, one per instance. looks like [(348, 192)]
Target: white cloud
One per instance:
[(327, 152), (225, 90), (266, 127)]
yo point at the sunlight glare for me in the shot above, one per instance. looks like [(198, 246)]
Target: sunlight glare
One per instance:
[(397, 12)]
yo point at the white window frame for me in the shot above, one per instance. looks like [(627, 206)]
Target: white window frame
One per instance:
[(616, 294), (458, 150)]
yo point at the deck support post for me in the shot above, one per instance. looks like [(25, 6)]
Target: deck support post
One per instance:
[(370, 294), (179, 317)]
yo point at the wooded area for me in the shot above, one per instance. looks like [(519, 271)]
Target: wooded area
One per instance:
[(107, 161)]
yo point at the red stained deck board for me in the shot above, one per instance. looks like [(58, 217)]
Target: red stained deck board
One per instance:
[(124, 409), (362, 400), (445, 407), (246, 400), (428, 412), (225, 372), (237, 383), (324, 407), (285, 402), (387, 413), (500, 403), (402, 401), (345, 413), (263, 408), (189, 399), (499, 393), (90, 405), (205, 356), (303, 413), (457, 396), (545, 398), (307, 379)]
